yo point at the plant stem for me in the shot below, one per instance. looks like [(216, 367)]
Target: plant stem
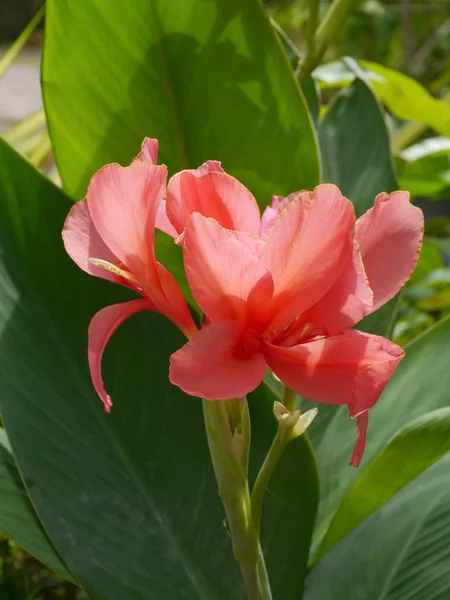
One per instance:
[(330, 26), (311, 27), (307, 65), (11, 54), (289, 399), (281, 440), (234, 492)]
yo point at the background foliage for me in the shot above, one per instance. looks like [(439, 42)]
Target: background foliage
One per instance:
[(382, 121)]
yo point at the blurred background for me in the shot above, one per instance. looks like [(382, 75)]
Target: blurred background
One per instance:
[(408, 36)]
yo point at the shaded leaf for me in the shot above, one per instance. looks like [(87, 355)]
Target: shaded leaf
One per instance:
[(409, 550), (18, 518), (412, 450), (419, 385), (129, 499)]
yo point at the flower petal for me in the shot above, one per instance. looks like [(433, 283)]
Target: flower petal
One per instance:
[(175, 308), (123, 202), (149, 154), (210, 166), (102, 326), (82, 242), (271, 213), (212, 194), (352, 368), (390, 237), (347, 301), (149, 151), (162, 221), (308, 248), (226, 278), (207, 366)]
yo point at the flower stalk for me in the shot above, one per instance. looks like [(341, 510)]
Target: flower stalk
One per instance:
[(291, 424), (230, 470)]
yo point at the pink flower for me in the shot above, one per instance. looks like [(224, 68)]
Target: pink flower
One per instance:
[(110, 234), (283, 291)]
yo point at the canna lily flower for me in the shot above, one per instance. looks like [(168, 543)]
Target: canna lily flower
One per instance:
[(283, 291), (110, 234)]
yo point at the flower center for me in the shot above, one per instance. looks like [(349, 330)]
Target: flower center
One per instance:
[(247, 346)]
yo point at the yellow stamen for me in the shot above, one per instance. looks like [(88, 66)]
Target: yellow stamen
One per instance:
[(104, 264)]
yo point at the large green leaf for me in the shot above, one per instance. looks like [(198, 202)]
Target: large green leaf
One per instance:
[(416, 447), (401, 552), (17, 516), (355, 148), (419, 385), (129, 499), (208, 79)]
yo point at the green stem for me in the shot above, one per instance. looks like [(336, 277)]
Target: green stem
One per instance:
[(233, 490), (329, 28), (281, 440), (311, 27), (289, 399), (11, 54), (262, 481)]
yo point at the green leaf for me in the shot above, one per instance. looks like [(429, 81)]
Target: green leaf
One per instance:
[(209, 80), (427, 175), (413, 449), (430, 259), (312, 96), (382, 321), (405, 97), (129, 499), (418, 386), (309, 86), (355, 149), (18, 518), (401, 551), (124, 497)]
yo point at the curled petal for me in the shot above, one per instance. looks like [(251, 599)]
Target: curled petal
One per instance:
[(390, 237), (102, 326), (347, 301), (207, 366), (308, 248), (212, 194), (123, 203), (361, 424), (352, 368), (226, 278), (149, 151)]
